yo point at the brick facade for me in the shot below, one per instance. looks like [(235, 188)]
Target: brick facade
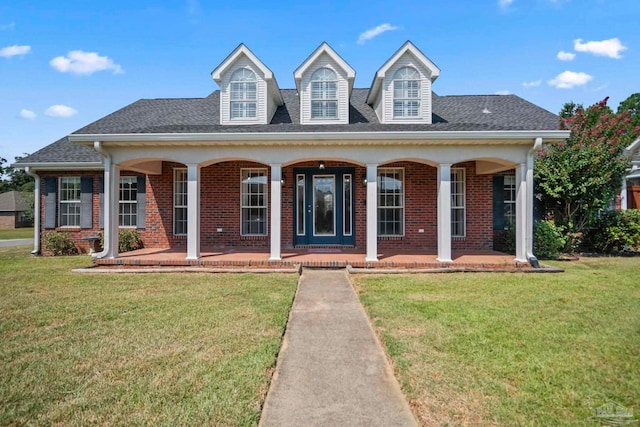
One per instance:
[(220, 208)]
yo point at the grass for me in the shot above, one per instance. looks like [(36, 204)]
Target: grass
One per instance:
[(149, 349), (16, 233), (512, 349)]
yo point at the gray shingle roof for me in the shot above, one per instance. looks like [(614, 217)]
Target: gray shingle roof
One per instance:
[(202, 115), (14, 201)]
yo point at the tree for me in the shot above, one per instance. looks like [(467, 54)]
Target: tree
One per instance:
[(632, 105), (12, 179), (581, 176)]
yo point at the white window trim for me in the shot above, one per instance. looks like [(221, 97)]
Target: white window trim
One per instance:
[(512, 202), (418, 98), (130, 202), (62, 202), (266, 202), (323, 97), (463, 172), (176, 206), (380, 170), (244, 99)]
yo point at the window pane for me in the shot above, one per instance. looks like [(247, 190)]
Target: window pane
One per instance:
[(253, 199), (390, 202)]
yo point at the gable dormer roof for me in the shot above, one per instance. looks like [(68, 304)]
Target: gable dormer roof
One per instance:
[(243, 51), (407, 47), (324, 48)]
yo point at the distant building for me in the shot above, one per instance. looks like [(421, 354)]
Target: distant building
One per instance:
[(14, 210)]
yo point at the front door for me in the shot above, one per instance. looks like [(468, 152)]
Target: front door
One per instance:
[(323, 200)]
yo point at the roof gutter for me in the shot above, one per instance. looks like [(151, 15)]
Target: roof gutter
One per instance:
[(36, 210), (545, 135), (60, 166)]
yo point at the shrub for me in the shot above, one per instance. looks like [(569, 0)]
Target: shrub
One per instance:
[(548, 239), (59, 243), (129, 240), (616, 231)]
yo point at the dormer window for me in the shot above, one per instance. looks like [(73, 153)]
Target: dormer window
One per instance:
[(324, 94), (406, 93), (243, 94)]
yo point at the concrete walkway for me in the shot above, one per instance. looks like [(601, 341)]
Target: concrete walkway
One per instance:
[(15, 242), (331, 370)]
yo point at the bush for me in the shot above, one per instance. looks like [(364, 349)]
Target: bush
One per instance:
[(59, 243), (616, 231), (129, 240), (548, 239)]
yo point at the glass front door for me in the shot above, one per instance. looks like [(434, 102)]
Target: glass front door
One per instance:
[(323, 206)]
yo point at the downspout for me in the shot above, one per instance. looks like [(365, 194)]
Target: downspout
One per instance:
[(530, 189), (36, 211), (97, 145)]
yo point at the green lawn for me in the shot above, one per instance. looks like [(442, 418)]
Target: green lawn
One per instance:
[(512, 349), (16, 233), (148, 349)]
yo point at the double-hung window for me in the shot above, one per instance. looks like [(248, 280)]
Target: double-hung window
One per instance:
[(509, 200), (253, 202), (128, 212), (324, 94), (390, 202), (406, 93), (243, 92), (180, 202), (458, 202), (69, 201)]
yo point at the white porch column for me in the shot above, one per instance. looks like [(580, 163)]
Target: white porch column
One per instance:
[(111, 209), (522, 208), (36, 210), (444, 213), (193, 211), (372, 212), (276, 212), (623, 195)]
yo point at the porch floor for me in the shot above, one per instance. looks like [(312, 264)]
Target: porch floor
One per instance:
[(313, 257)]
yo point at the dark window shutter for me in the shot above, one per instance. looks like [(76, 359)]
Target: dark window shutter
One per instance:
[(50, 202), (142, 202), (498, 202), (86, 202), (101, 203)]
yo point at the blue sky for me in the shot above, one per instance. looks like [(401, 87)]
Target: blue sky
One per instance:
[(64, 64)]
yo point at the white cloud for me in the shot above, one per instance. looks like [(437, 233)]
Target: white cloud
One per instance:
[(60, 111), (369, 34), (80, 62), (27, 114), (566, 56), (9, 26), (15, 50), (611, 47), (534, 83), (569, 79), (503, 92), (505, 3)]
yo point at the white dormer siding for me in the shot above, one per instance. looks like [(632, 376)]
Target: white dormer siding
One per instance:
[(324, 63), (261, 95), (267, 93), (424, 99), (342, 93), (381, 95)]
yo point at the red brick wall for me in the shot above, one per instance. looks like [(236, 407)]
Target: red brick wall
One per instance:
[(220, 208), (7, 220)]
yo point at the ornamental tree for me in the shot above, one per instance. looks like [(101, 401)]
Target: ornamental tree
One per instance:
[(581, 176)]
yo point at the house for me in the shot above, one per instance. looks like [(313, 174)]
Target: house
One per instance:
[(390, 167), (14, 210), (630, 193)]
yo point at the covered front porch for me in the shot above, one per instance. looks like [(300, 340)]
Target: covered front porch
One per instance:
[(243, 258)]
